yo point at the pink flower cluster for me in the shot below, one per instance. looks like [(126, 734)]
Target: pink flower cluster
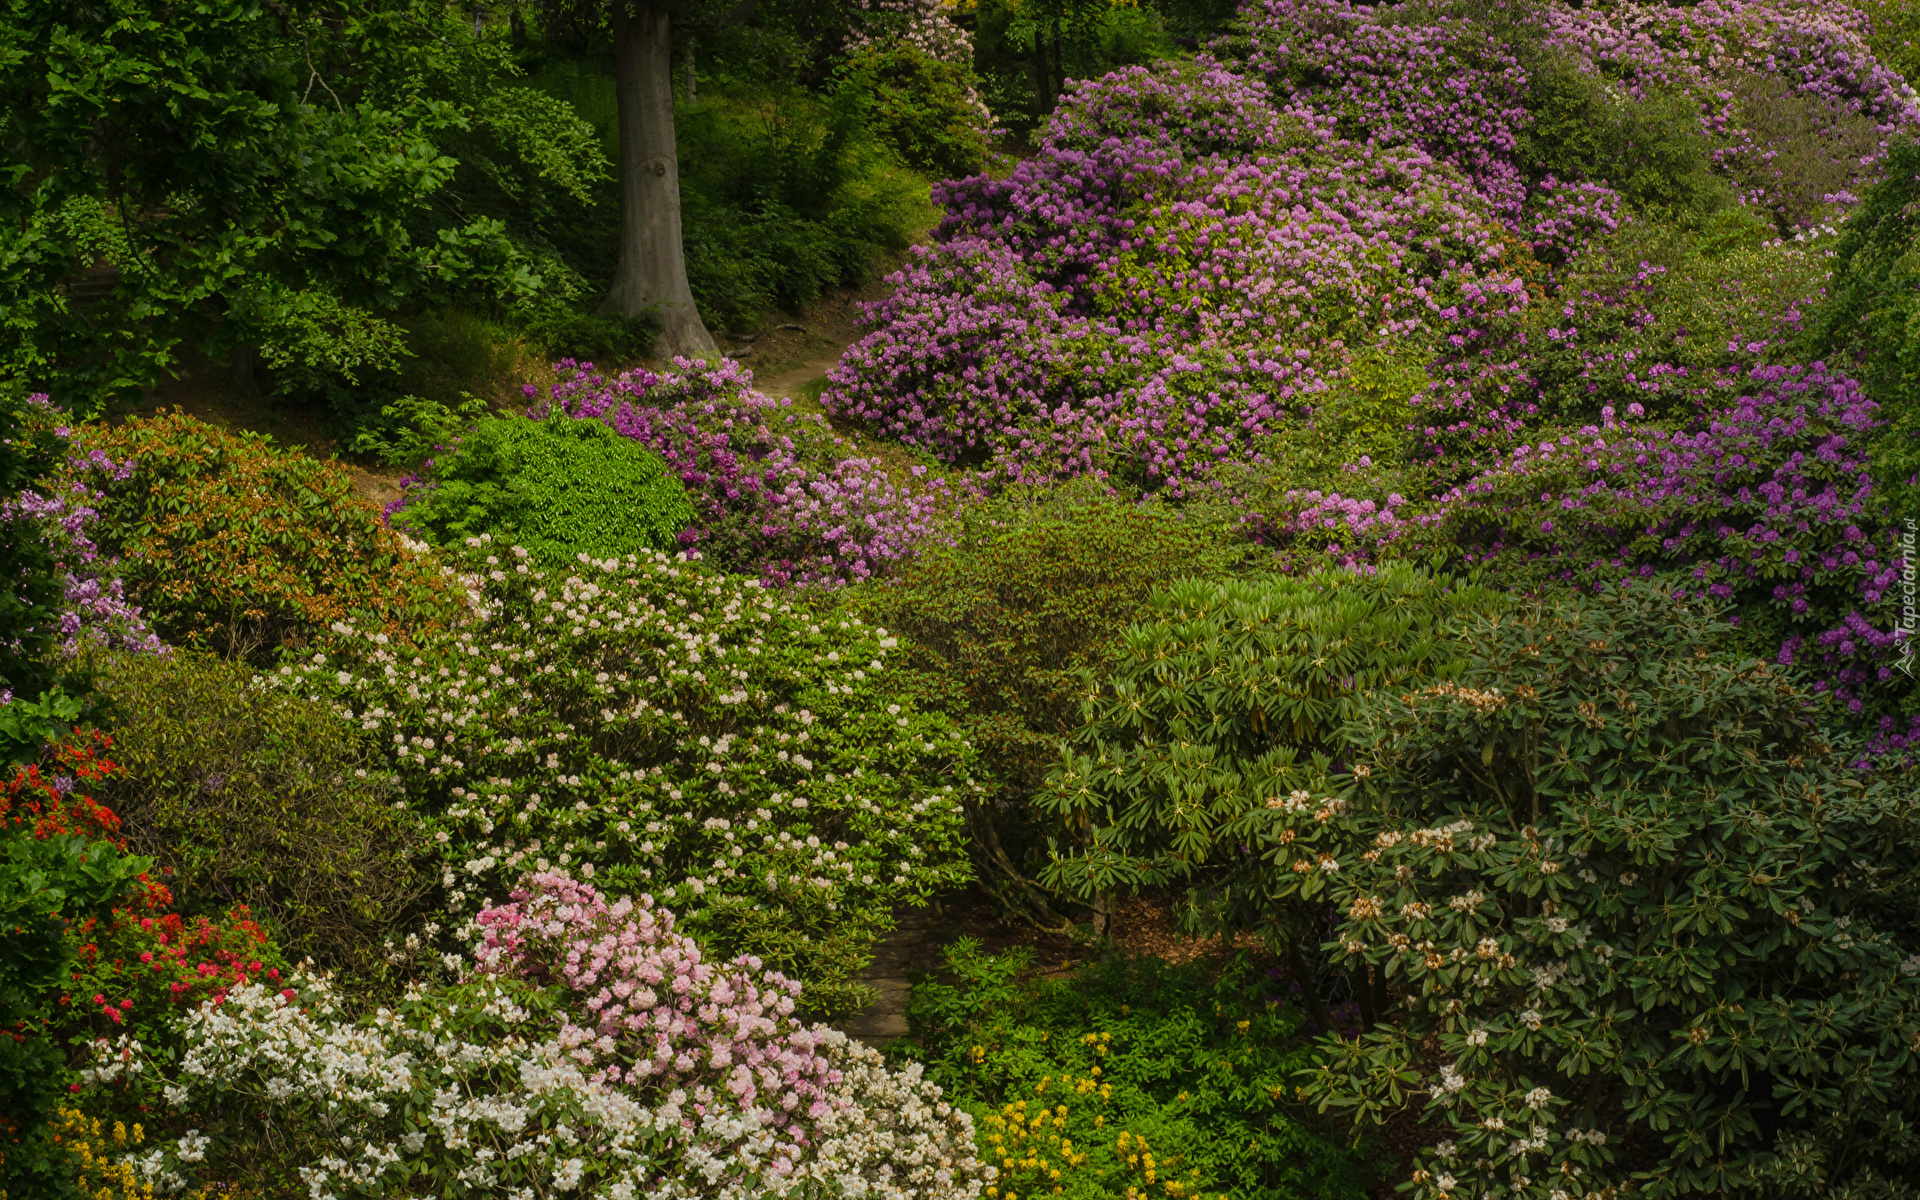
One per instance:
[(656, 1017)]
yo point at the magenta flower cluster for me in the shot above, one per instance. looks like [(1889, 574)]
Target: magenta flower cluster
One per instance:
[(1176, 274), (776, 493), (1768, 507), (651, 1014)]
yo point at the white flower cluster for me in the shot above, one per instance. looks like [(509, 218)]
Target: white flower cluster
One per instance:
[(464, 1089), (722, 747)]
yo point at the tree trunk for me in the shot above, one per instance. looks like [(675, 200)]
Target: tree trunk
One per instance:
[(651, 277), (693, 93), (1043, 95)]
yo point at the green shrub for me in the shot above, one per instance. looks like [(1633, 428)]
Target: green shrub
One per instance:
[(755, 764), (259, 798), (924, 109), (1128, 1077), (559, 486), (1034, 588), (1872, 321), (1648, 149), (1637, 923), (1224, 699), (232, 544)]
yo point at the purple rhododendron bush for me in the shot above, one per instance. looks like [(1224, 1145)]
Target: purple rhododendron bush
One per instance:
[(588, 1049), (1195, 285)]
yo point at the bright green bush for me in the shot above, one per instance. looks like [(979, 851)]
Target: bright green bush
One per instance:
[(558, 486), (1033, 588), (1224, 700), (924, 109), (756, 764), (1130, 1078), (259, 798), (1642, 925)]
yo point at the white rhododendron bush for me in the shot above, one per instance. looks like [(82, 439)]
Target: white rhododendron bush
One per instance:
[(747, 757), (589, 1049)]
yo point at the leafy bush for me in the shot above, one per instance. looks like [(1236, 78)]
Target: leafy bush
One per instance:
[(558, 486), (925, 109), (1128, 1077), (313, 218), (730, 751), (1874, 317), (1001, 616), (1641, 925), (259, 798), (1223, 699), (230, 543), (543, 1078)]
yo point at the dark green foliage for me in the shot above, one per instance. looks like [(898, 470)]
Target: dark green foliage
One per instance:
[(29, 586), (1638, 917), (784, 194), (1649, 150), (559, 486), (259, 798), (924, 109), (1224, 700), (264, 178), (1127, 1057), (1872, 322), (1002, 622)]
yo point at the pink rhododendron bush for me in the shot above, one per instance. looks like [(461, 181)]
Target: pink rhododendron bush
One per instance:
[(746, 757), (590, 1050)]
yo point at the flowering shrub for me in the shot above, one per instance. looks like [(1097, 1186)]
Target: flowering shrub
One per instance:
[(774, 492), (637, 1070), (97, 1158), (1174, 276), (1770, 508), (60, 863), (748, 760), (94, 612), (1128, 1078), (229, 543), (1620, 891)]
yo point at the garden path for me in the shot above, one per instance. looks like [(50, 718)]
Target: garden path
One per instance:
[(908, 947)]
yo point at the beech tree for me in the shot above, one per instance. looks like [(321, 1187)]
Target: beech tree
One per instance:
[(651, 275)]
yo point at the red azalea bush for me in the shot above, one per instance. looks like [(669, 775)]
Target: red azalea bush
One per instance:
[(134, 970)]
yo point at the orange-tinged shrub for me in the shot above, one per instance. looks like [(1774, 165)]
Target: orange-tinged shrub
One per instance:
[(237, 545)]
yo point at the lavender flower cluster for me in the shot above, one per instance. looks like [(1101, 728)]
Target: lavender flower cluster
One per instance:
[(1175, 275), (94, 610)]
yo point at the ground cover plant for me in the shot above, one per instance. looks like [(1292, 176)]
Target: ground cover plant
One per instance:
[(1128, 1077)]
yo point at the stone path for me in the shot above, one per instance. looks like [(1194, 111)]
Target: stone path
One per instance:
[(904, 950)]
